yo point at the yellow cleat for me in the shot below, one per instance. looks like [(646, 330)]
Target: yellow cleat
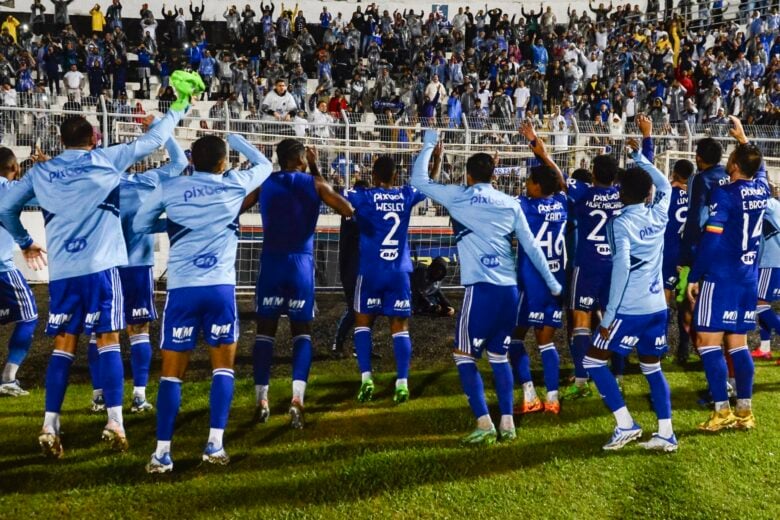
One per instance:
[(719, 420), (745, 420)]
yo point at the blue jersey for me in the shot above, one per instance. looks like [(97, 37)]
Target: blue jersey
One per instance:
[(6, 240), (133, 190), (484, 220), (290, 207), (547, 220), (593, 207), (678, 211), (78, 192), (383, 218), (202, 219), (770, 239), (701, 186), (636, 238)]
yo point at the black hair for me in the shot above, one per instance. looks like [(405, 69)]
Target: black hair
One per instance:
[(480, 166), (76, 131), (582, 175), (748, 158), (683, 169), (546, 178), (7, 158), (289, 150), (605, 169), (635, 185), (384, 168), (438, 269), (207, 153), (360, 183), (709, 150)]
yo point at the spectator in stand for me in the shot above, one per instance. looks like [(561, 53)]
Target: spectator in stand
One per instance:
[(98, 20), (61, 17), (74, 82)]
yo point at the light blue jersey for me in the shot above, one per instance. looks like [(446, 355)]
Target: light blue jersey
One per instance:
[(133, 190), (484, 220), (78, 192), (770, 239), (202, 219), (636, 238), (6, 240)]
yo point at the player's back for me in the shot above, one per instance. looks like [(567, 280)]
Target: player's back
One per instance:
[(383, 216), (547, 219), (678, 212), (290, 207), (133, 190), (770, 239), (593, 207)]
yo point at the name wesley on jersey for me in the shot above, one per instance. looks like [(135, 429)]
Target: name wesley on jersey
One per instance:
[(389, 201)]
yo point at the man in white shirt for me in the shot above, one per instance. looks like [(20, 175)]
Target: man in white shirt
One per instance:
[(321, 121), (10, 121), (435, 86), (73, 80), (459, 21), (484, 94), (522, 95)]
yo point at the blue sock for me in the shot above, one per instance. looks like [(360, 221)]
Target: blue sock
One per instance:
[(502, 379), (301, 357), (262, 355), (764, 331), (363, 344), (605, 382), (744, 370), (57, 379), (659, 389), (94, 363), (768, 316), (471, 382), (580, 345), (618, 363), (716, 372), (402, 347), (222, 382), (111, 375), (140, 358), (168, 403), (551, 363), (521, 363), (21, 341)]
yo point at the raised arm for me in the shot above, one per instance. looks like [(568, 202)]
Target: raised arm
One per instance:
[(178, 160), (663, 188), (526, 240), (420, 176), (147, 219), (261, 166), (538, 148)]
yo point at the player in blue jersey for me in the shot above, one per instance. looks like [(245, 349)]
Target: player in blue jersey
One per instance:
[(635, 317), (202, 224), (17, 304), (724, 278), (78, 192), (768, 280), (484, 220), (544, 208), (383, 285), (290, 207)]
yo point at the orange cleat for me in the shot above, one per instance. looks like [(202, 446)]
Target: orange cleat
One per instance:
[(529, 407), (756, 353), (553, 407)]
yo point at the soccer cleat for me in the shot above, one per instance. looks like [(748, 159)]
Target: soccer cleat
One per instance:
[(526, 407), (13, 389), (575, 392), (98, 404), (553, 407), (50, 445), (658, 443), (161, 465), (366, 392), (140, 405), (480, 437), (115, 437), (296, 415), (401, 394), (215, 455), (757, 353), (621, 437), (719, 420), (263, 412), (507, 435), (731, 390), (745, 420)]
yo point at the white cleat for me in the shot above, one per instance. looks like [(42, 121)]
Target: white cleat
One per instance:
[(114, 436), (263, 412), (140, 405), (621, 437), (658, 443), (98, 404), (13, 389), (50, 445), (162, 465), (214, 455)]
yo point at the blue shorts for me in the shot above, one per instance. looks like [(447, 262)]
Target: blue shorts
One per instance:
[(644, 332), (286, 286), (769, 284), (487, 319), (190, 310), (17, 302), (670, 274), (590, 287), (138, 290), (726, 307), (538, 307), (386, 293), (91, 303)]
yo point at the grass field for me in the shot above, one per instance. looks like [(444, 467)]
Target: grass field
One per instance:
[(386, 461)]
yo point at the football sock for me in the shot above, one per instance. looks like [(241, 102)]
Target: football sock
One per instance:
[(507, 422), (659, 390), (729, 367), (262, 354), (529, 392), (551, 365), (768, 318), (363, 341), (111, 375), (168, 403), (139, 392), (665, 428), (9, 372), (298, 390), (618, 363), (401, 382), (580, 345), (163, 447), (766, 336), (215, 437), (115, 415), (222, 382), (502, 379), (484, 422), (606, 384), (744, 404), (57, 374), (623, 418), (521, 363), (18, 346), (716, 373), (744, 370), (402, 347), (94, 365), (365, 376), (684, 345), (301, 357), (471, 382), (261, 393), (140, 359), (51, 422)]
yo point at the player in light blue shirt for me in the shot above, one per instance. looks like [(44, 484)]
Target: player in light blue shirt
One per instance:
[(202, 223), (636, 313), (768, 279), (484, 220), (17, 304)]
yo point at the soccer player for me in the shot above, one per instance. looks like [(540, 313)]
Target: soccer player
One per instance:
[(383, 285), (768, 280), (202, 223), (636, 313), (544, 208), (78, 192), (17, 304), (290, 207), (484, 219), (724, 278)]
